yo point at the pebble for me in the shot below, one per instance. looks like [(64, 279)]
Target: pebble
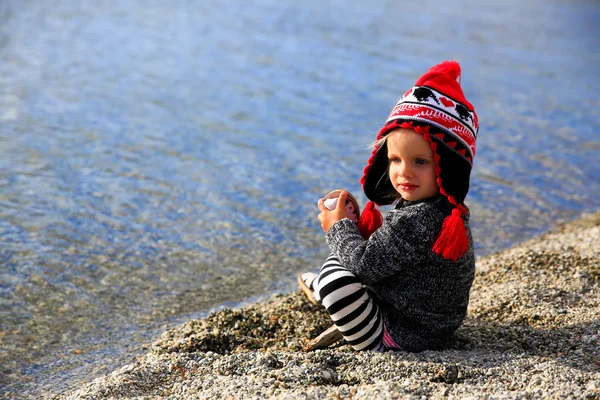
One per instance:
[(528, 335)]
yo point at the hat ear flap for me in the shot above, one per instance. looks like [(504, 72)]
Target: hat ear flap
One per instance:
[(454, 170), (376, 183)]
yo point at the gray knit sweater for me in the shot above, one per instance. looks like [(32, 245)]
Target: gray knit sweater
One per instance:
[(423, 297)]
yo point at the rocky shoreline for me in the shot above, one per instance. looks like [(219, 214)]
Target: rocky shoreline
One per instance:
[(533, 331)]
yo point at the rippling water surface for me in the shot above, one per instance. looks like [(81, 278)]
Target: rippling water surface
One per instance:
[(161, 160)]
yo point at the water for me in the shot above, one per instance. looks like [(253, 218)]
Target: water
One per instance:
[(158, 161)]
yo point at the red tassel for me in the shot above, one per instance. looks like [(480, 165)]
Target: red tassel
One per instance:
[(370, 220), (452, 241)]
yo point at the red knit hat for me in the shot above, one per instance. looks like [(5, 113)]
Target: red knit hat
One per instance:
[(437, 108)]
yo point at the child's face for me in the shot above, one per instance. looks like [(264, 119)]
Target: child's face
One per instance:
[(411, 165)]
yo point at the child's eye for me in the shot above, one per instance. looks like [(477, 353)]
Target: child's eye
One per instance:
[(421, 161), (394, 160)]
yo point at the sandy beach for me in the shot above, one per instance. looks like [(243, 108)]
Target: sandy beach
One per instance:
[(533, 331)]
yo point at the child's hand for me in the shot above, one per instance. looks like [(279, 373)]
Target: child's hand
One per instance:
[(328, 218)]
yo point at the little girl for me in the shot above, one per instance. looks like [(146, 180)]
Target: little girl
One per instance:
[(404, 282)]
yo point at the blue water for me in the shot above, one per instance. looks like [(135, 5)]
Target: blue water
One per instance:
[(161, 160)]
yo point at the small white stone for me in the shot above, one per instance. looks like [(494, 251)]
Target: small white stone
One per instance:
[(330, 204)]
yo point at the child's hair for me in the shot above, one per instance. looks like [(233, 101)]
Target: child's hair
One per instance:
[(379, 143), (436, 108)]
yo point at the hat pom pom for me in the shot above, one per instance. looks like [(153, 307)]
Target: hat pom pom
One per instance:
[(450, 69), (452, 241), (370, 220)]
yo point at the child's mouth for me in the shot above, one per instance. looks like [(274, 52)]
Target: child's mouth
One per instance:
[(407, 186)]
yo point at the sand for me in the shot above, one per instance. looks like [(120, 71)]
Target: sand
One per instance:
[(532, 331)]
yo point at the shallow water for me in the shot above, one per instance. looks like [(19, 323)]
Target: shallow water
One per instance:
[(157, 162)]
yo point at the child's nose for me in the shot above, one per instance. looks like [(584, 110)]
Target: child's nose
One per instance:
[(406, 170)]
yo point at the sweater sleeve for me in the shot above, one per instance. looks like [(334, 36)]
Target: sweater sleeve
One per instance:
[(402, 241)]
